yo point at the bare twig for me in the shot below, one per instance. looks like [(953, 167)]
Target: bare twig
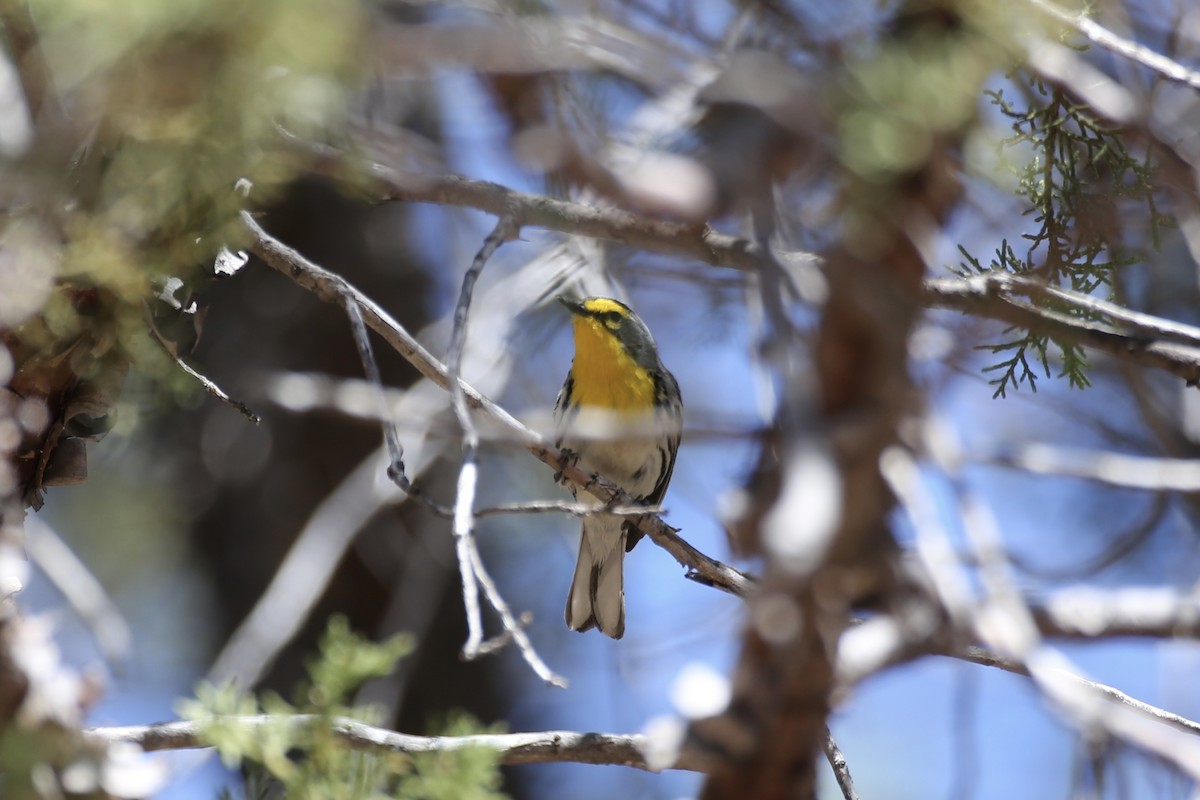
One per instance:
[(841, 771), (1090, 613), (1003, 620), (932, 641), (1114, 469), (517, 46), (648, 233), (563, 507), (987, 658), (505, 638), (1005, 297), (391, 436), (471, 567), (1140, 339), (1134, 322), (332, 288), (514, 748), (511, 625), (1119, 547), (362, 341), (1098, 34), (469, 561), (550, 507), (209, 385)]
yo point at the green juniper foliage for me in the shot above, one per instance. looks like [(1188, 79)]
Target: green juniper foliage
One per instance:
[(296, 752), (1077, 175), (169, 115)]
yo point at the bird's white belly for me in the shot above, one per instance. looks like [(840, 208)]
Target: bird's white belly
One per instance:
[(632, 464)]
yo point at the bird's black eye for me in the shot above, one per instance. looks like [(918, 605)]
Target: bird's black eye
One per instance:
[(611, 318)]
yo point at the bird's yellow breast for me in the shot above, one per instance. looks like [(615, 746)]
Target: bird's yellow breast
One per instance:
[(605, 375)]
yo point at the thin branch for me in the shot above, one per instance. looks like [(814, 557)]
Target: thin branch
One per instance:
[(514, 748), (1150, 341), (1113, 469), (693, 241), (505, 638), (563, 507), (517, 45), (987, 658), (391, 435), (1090, 613), (1135, 322), (1091, 706), (1019, 638), (331, 288), (209, 384), (362, 341), (906, 649), (841, 771), (511, 624), (1098, 34), (551, 507), (1118, 548), (912, 644), (469, 561), (881, 642), (463, 529), (1003, 297)]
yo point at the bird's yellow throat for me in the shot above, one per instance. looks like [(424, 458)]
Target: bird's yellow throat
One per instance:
[(605, 374)]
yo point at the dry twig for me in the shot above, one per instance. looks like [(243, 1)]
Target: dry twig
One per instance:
[(470, 565), (514, 748)]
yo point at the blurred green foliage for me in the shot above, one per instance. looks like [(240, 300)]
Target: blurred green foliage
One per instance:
[(1074, 178), (311, 760), (161, 121), (184, 100)]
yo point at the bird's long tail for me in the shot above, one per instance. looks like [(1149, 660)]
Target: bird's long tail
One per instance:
[(597, 596)]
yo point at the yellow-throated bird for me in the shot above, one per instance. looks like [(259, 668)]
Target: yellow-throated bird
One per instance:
[(621, 413)]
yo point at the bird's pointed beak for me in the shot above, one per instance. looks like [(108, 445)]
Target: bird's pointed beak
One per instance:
[(572, 306)]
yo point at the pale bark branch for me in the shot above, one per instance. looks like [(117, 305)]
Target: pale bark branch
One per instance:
[(1131, 336), (1098, 34), (1018, 642), (987, 658), (1089, 613), (841, 770), (1005, 297), (1082, 614), (1114, 469), (879, 643), (698, 242), (470, 564), (540, 747)]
